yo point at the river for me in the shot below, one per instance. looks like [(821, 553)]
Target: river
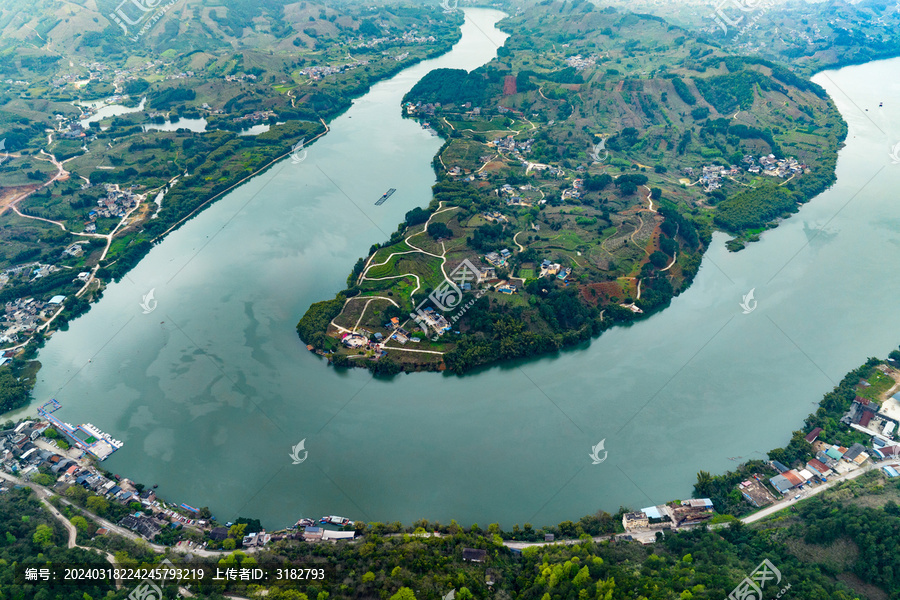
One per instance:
[(212, 389)]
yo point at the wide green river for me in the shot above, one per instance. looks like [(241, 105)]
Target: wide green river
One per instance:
[(212, 389)]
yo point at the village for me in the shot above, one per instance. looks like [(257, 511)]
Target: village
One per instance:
[(22, 317), (59, 456), (711, 176)]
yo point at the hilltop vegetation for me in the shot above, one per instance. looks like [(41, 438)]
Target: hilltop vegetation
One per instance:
[(808, 36)]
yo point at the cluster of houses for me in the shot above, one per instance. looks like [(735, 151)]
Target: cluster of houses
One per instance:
[(512, 195), (116, 204), (398, 333), (317, 73), (34, 269), (73, 131), (575, 191), (26, 452), (97, 71), (581, 63), (830, 460), (20, 455), (410, 37), (24, 315), (256, 117), (498, 259), (711, 178), (494, 217), (769, 165), (870, 418), (427, 318), (865, 416), (240, 77), (674, 515), (418, 107), (549, 269), (712, 175), (509, 144)]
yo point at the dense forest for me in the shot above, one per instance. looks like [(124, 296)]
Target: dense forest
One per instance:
[(456, 86)]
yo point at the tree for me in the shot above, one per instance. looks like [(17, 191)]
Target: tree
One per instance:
[(659, 259), (405, 593), (439, 230), (80, 523), (77, 493), (228, 544), (43, 536), (237, 530), (98, 505), (43, 479), (13, 392)]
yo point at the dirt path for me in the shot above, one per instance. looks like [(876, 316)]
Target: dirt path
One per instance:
[(649, 199), (521, 247), (635, 232), (366, 307), (482, 166)]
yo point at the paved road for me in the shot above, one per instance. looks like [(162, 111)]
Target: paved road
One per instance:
[(43, 493), (650, 536), (770, 510)]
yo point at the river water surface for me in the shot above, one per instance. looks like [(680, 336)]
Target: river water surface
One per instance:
[(211, 389)]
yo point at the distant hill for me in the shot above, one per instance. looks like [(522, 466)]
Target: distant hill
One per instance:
[(98, 28)]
